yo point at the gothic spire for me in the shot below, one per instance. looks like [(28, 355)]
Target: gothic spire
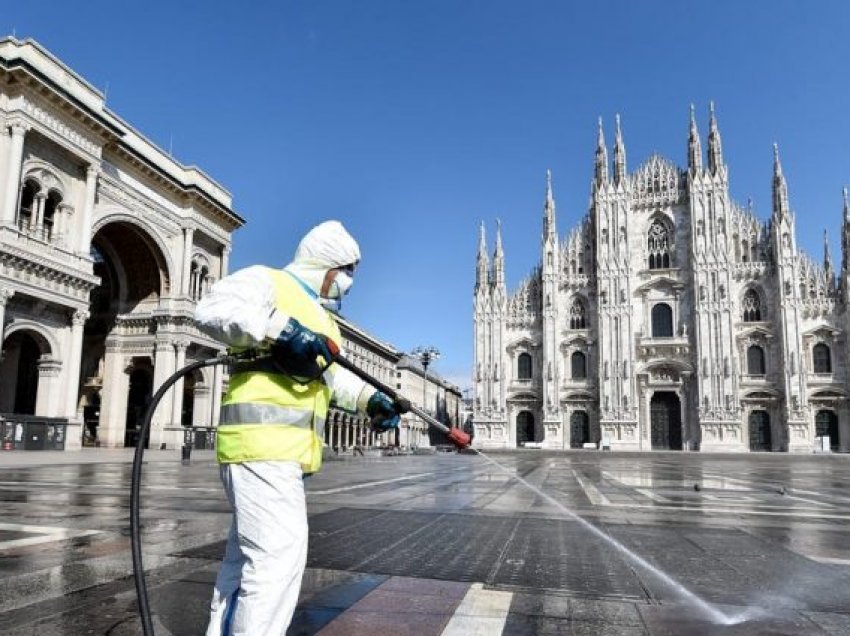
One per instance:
[(845, 234), (694, 146), (498, 258), (549, 208), (601, 170), (619, 155), (846, 206), (827, 258), (715, 150), (780, 188), (483, 262)]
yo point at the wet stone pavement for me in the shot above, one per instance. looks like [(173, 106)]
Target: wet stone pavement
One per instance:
[(449, 544)]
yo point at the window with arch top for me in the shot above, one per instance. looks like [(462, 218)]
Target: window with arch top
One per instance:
[(577, 315), (524, 366), (821, 358), (658, 245), (752, 306), (662, 321), (578, 365), (755, 360)]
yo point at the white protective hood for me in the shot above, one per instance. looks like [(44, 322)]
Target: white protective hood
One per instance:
[(326, 246)]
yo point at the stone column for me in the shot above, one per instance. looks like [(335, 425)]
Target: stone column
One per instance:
[(37, 218), (61, 224), (13, 177), (225, 261), (188, 233), (113, 401), (49, 369), (83, 245), (177, 392), (72, 374), (215, 402), (163, 367), (5, 294)]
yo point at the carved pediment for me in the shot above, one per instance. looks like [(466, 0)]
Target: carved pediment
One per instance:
[(754, 333), (661, 283), (822, 331), (523, 344), (762, 394)]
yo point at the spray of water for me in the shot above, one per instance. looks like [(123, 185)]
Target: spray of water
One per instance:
[(711, 612)]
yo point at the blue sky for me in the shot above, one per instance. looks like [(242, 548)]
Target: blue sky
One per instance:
[(413, 121)]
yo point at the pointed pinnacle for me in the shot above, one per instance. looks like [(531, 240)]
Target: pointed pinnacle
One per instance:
[(600, 135), (617, 120), (846, 204)]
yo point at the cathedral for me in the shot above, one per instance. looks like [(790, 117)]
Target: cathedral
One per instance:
[(671, 318)]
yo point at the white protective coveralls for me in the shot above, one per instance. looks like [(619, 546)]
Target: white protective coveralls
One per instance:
[(257, 587)]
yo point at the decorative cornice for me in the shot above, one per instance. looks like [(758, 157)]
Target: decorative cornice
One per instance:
[(57, 126)]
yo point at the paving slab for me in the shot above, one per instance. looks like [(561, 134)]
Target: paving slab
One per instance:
[(449, 545)]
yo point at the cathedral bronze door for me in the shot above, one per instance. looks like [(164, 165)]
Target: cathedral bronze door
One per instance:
[(760, 431), (826, 423), (524, 428), (665, 414), (579, 429)]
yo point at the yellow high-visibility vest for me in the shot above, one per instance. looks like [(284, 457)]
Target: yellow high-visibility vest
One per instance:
[(269, 416)]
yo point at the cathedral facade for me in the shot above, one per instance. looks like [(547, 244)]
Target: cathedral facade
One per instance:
[(671, 318)]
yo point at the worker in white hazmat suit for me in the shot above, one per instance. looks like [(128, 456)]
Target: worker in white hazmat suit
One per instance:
[(273, 417)]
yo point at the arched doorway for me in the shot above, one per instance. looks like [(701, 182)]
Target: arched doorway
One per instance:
[(665, 414), (19, 370), (524, 428), (190, 383), (826, 423), (138, 398), (760, 438), (133, 276), (579, 429)]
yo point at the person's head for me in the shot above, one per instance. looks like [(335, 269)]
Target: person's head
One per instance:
[(325, 261)]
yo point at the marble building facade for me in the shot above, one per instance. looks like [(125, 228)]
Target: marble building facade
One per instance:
[(670, 318), (106, 242)]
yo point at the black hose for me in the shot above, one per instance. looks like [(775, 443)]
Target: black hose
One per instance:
[(135, 486)]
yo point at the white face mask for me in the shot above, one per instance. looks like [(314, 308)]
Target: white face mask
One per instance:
[(339, 287)]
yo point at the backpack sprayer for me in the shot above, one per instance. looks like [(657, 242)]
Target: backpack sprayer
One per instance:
[(402, 405)]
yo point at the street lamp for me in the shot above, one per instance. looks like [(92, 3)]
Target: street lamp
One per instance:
[(425, 355)]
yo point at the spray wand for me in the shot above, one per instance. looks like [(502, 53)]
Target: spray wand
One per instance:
[(457, 437)]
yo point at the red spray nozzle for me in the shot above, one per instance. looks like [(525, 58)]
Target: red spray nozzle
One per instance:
[(459, 438)]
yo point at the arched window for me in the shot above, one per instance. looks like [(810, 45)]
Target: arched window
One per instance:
[(662, 321), (821, 358), (752, 306), (524, 366), (578, 364), (755, 360), (577, 315), (25, 212), (51, 206), (658, 244)]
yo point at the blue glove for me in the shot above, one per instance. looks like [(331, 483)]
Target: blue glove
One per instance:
[(382, 412), (296, 348)]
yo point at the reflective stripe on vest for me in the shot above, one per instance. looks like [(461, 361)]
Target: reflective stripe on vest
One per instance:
[(268, 416), (250, 413)]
